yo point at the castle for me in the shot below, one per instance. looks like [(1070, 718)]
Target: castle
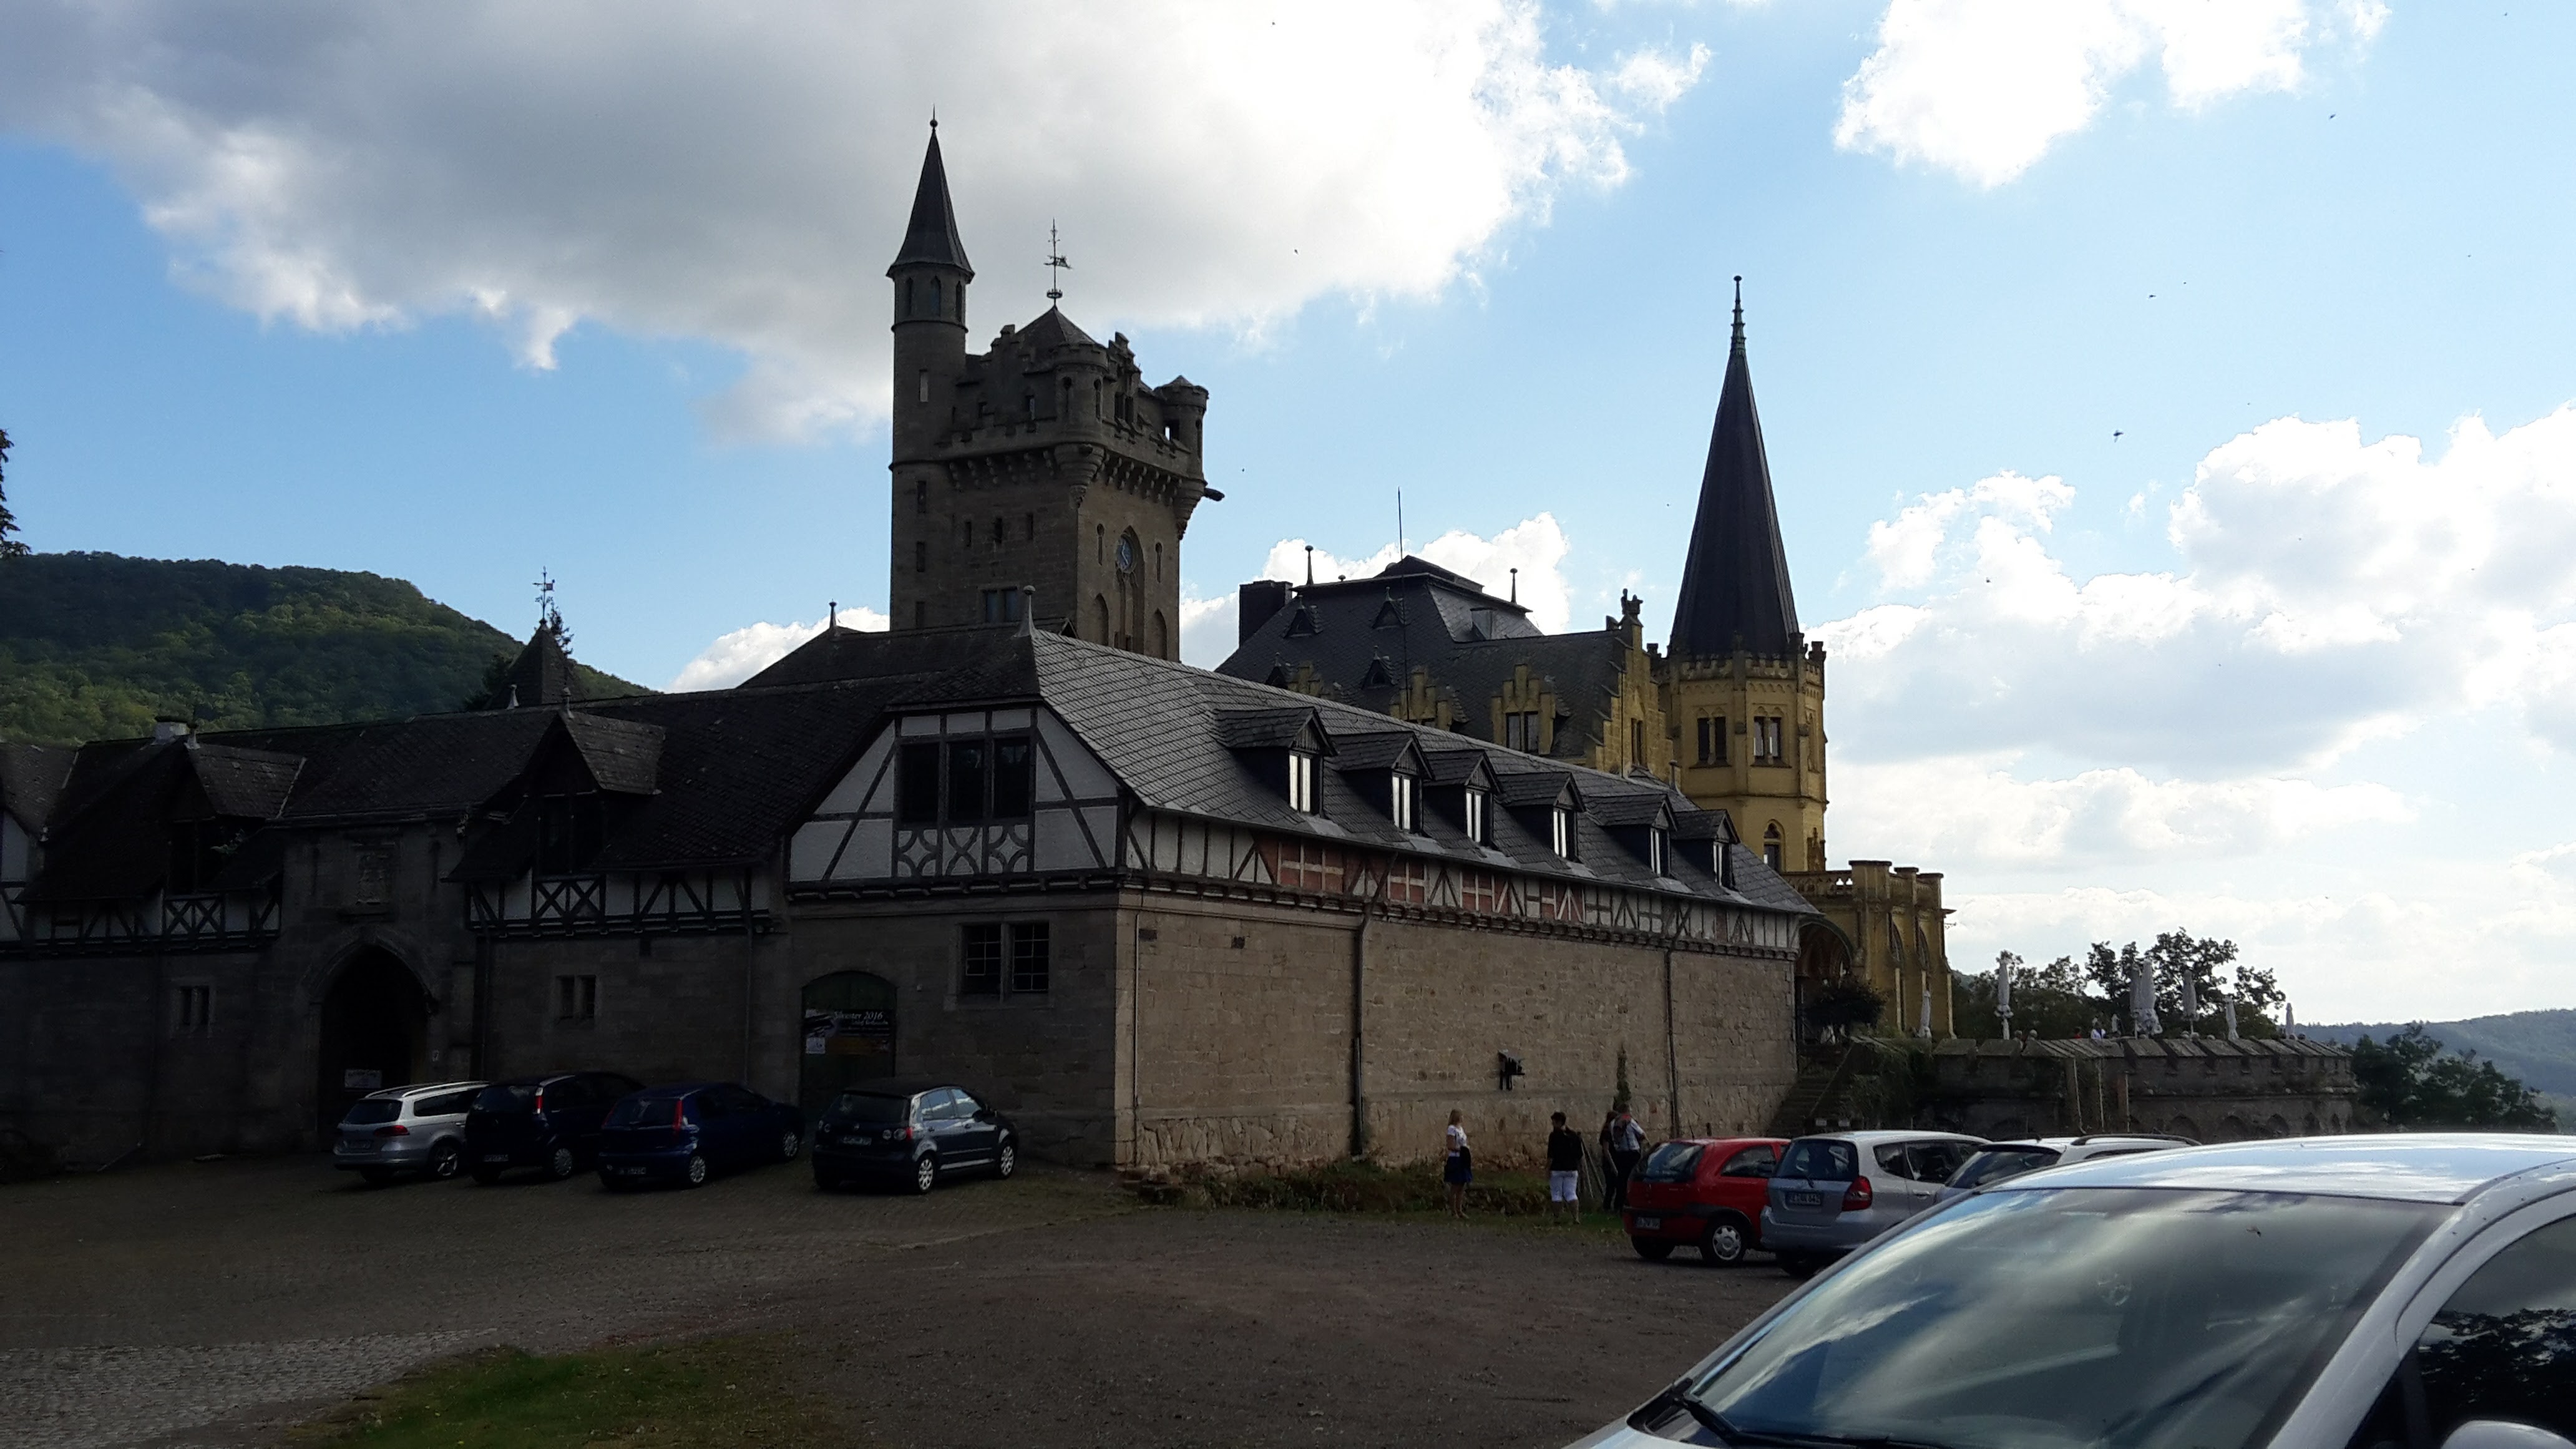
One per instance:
[(1730, 710), (1160, 915)]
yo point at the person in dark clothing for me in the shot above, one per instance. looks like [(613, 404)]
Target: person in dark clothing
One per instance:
[(1627, 1145), (1564, 1169)]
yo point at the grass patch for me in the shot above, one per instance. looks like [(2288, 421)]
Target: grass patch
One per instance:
[(717, 1392)]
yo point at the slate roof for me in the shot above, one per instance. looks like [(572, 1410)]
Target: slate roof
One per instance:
[(721, 778), (931, 235), (31, 780), (1735, 582), (1362, 639), (1054, 329), (541, 675)]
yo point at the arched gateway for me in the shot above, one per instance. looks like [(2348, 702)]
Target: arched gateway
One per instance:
[(375, 1033), (849, 1035)]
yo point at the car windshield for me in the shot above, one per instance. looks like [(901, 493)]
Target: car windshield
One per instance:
[(873, 1108), (2039, 1319), (368, 1111), (1997, 1163), (505, 1099), (1672, 1162), (1821, 1158)]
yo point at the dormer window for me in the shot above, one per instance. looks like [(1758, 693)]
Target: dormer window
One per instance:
[(964, 781), (1560, 826), (1399, 800), (568, 832), (1301, 782), (1476, 816), (1655, 851)]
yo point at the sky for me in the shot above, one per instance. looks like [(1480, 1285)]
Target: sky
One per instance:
[(2168, 400)]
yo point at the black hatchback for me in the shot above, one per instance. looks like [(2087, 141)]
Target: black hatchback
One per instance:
[(549, 1122), (910, 1134)]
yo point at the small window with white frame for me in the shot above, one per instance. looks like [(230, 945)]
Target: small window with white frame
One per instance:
[(1655, 851), (1560, 822), (1399, 800), (1476, 816), (1301, 782), (576, 998), (192, 1009)]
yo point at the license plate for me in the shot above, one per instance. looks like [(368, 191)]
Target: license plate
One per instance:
[(357, 1147), (630, 1172), (1650, 1224), (496, 1157), (1806, 1200)]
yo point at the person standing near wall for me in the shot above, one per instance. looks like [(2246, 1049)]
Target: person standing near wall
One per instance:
[(1564, 1168), (1458, 1167), (1627, 1144)]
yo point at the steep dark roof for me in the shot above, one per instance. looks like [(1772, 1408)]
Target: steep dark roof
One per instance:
[(31, 780), (1362, 639), (931, 236), (622, 755), (245, 784), (1735, 583), (1054, 329), (542, 675)]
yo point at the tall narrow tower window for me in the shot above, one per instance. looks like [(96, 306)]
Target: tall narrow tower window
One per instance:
[(925, 384), (921, 555), (921, 495), (1771, 854), (933, 310)]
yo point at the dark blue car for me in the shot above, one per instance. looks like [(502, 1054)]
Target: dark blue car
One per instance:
[(689, 1132)]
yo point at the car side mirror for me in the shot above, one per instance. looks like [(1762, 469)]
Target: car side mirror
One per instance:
[(983, 1114), (2503, 1434)]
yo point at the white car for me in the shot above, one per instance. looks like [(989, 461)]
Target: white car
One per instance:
[(1999, 1160), (2402, 1292)]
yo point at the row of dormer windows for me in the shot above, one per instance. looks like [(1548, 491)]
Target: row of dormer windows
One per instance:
[(1404, 801)]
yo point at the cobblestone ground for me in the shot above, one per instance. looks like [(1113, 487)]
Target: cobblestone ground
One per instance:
[(201, 1304)]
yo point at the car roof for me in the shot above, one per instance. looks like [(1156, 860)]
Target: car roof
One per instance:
[(2429, 1167), (1873, 1136), (422, 1089), (1725, 1141), (676, 1089), (2060, 1144)]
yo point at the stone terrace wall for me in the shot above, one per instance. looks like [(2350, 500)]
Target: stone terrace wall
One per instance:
[(1241, 1042), (2204, 1088)]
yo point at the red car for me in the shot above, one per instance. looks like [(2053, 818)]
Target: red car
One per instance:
[(1704, 1193)]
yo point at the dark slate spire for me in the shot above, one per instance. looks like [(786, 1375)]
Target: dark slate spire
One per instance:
[(932, 236), (541, 675), (1735, 586)]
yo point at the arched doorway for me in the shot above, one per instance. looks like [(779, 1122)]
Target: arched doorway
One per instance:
[(375, 1033), (849, 1035)]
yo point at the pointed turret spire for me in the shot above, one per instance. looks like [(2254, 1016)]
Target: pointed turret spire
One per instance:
[(931, 237), (1735, 585)]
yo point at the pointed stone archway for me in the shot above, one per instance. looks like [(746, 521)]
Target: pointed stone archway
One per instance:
[(374, 1033)]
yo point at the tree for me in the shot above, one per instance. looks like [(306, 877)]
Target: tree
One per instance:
[(2178, 956), (2050, 1000), (2410, 1082), (1839, 1006), (10, 546)]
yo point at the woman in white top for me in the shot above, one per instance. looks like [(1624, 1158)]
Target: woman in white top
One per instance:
[(1459, 1168)]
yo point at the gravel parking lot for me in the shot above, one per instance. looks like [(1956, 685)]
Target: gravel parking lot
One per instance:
[(213, 1303)]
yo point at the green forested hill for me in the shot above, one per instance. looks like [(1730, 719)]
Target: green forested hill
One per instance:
[(94, 646)]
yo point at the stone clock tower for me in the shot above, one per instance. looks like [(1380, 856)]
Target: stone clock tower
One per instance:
[(1044, 463)]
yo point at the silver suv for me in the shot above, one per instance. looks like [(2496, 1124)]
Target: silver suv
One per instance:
[(1997, 1161), (404, 1130), (1835, 1192)]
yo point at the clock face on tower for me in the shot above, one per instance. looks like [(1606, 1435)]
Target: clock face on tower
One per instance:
[(1126, 555)]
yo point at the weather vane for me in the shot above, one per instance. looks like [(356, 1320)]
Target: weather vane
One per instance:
[(1056, 266)]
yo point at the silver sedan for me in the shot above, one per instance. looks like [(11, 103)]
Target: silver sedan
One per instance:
[(2318, 1293)]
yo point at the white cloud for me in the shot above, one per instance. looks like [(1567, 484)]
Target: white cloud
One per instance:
[(1207, 630), (680, 169), (737, 656), (1983, 88), (2334, 590), (1976, 809)]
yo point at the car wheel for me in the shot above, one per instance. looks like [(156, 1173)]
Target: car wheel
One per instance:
[(1799, 1265), (925, 1172), (1007, 1160), (1724, 1245), (790, 1143), (560, 1164), (696, 1172), (487, 1175), (1650, 1250), (446, 1159)]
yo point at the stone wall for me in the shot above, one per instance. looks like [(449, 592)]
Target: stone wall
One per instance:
[(2207, 1089), (1242, 1037)]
